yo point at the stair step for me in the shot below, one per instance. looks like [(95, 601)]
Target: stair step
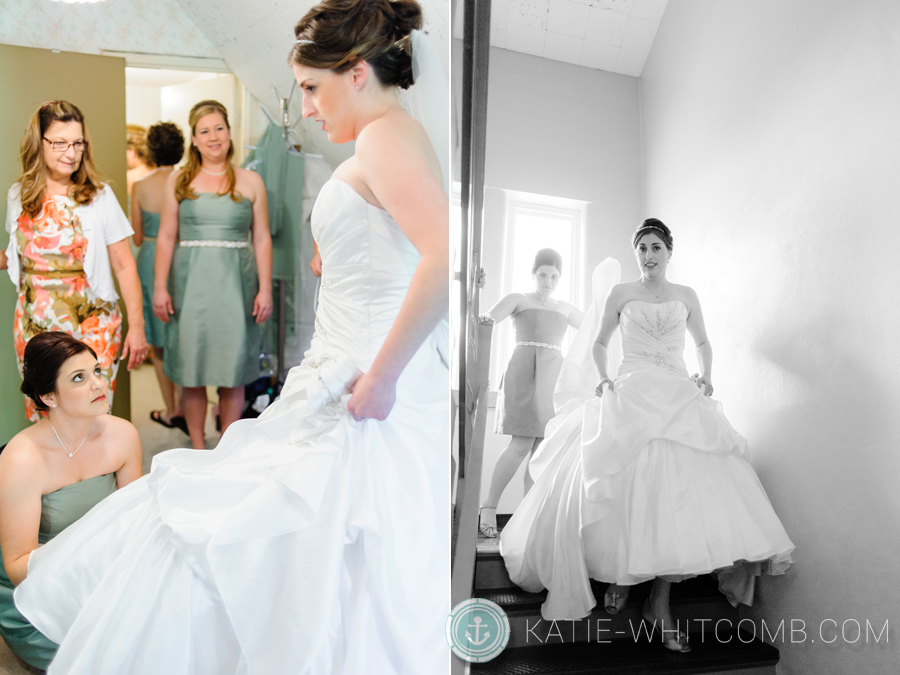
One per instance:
[(731, 654), (694, 607), (697, 602), (530, 630), (704, 586)]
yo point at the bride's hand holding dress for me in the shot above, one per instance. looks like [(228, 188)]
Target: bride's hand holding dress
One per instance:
[(396, 169)]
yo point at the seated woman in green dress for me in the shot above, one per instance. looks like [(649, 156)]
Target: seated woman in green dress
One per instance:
[(55, 471)]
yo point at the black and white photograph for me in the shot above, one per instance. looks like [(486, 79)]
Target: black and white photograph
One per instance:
[(674, 364)]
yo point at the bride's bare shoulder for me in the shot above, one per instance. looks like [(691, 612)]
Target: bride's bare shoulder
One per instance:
[(395, 138), (686, 294), (620, 294)]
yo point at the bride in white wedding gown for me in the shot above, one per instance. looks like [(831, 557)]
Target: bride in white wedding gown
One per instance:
[(314, 539), (643, 478)]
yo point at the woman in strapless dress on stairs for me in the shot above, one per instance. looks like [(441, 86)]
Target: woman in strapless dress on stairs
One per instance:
[(643, 477), (525, 401)]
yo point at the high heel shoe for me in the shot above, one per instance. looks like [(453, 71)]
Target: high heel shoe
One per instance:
[(675, 644), (487, 529), (615, 598)]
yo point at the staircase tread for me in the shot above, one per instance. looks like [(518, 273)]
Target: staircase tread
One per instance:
[(704, 587), (627, 657)]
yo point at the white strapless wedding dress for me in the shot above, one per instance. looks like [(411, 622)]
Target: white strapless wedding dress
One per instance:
[(306, 542), (648, 481)]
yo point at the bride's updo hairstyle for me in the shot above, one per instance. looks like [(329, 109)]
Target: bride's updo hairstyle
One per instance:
[(654, 226), (547, 256), (338, 34), (45, 354)]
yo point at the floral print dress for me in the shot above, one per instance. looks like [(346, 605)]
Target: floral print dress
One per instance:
[(54, 292)]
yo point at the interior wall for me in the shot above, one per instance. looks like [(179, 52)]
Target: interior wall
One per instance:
[(142, 104), (28, 77), (563, 130), (568, 131), (770, 134)]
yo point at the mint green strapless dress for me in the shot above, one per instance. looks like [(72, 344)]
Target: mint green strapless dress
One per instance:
[(155, 329), (58, 510), (213, 338)]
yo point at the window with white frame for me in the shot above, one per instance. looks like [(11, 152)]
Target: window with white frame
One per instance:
[(531, 226)]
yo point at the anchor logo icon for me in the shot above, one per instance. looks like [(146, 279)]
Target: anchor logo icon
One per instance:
[(477, 626), (477, 630)]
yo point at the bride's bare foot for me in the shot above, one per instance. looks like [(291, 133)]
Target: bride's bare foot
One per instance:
[(656, 612)]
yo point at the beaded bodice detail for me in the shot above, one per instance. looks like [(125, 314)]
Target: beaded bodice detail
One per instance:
[(653, 336)]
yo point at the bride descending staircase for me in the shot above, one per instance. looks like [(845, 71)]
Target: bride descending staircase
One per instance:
[(604, 644)]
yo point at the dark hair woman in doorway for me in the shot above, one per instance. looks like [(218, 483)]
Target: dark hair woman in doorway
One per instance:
[(165, 144)]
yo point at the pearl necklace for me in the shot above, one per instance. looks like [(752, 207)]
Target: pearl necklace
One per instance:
[(70, 454), (214, 174)]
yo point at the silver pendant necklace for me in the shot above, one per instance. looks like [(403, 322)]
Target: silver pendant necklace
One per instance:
[(70, 454), (214, 174), (649, 289), (543, 302)]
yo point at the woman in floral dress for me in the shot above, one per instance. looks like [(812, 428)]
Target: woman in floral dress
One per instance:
[(58, 215)]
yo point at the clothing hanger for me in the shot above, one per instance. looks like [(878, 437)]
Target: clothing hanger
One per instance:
[(287, 127)]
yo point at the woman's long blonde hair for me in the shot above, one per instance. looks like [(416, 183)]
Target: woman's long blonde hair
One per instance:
[(183, 189), (86, 181)]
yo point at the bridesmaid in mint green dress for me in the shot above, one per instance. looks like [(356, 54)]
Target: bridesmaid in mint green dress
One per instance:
[(55, 471), (213, 284), (165, 143)]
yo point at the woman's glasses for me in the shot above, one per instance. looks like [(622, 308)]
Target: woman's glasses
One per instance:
[(63, 146)]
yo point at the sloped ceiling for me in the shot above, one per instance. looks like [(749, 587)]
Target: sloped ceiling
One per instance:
[(255, 36), (611, 35)]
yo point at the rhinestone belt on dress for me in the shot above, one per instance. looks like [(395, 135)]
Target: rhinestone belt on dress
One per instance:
[(212, 243), (538, 344)]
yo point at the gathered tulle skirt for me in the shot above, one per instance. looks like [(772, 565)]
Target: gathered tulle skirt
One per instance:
[(307, 542), (650, 481)]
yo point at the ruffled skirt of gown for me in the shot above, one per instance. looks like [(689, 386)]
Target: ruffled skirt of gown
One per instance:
[(648, 481), (307, 542)]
